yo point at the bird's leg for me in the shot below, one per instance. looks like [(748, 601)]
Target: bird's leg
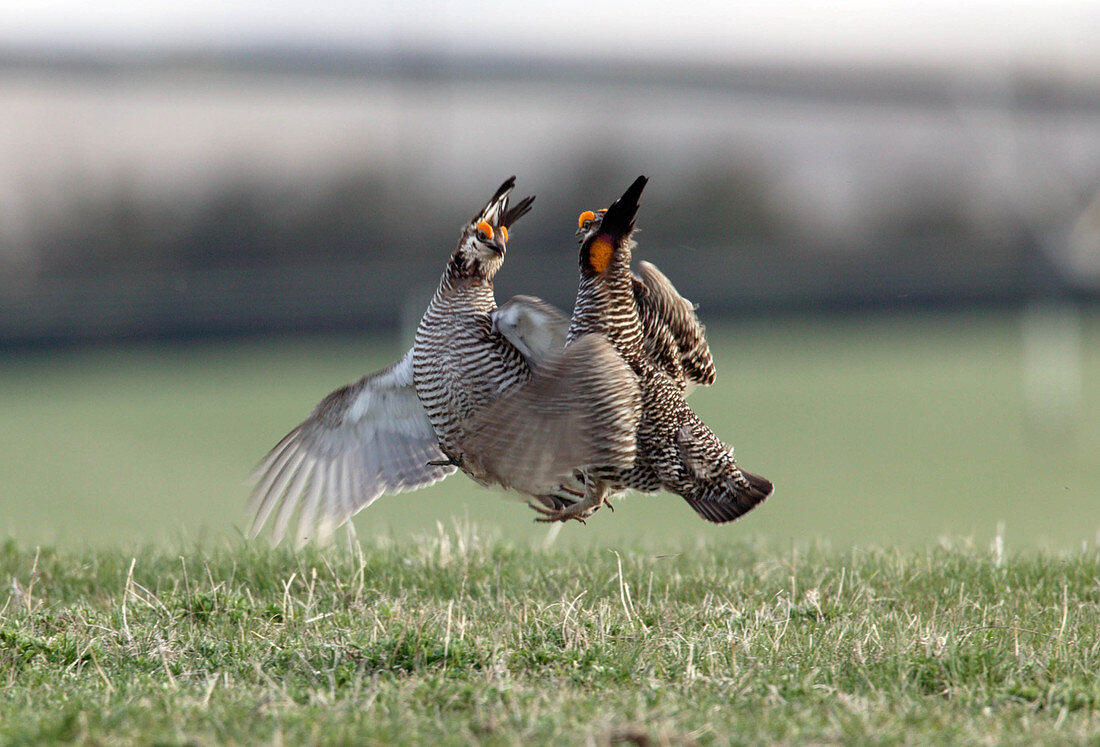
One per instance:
[(592, 483)]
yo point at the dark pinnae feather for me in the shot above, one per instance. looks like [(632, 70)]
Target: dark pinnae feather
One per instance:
[(504, 189), (518, 211), (499, 195), (619, 218)]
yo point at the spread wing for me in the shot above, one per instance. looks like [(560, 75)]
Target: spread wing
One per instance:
[(533, 326), (674, 337), (580, 408), (368, 438)]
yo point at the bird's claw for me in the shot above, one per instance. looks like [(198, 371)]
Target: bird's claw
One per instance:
[(578, 511)]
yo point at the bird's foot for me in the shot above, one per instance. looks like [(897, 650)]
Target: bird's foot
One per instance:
[(578, 511)]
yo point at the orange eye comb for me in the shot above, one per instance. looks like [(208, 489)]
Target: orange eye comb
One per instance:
[(504, 233), (484, 230), (585, 216)]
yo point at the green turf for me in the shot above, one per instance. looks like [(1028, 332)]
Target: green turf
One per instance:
[(461, 638), (888, 429)]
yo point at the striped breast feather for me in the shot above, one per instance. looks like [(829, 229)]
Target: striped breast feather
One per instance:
[(580, 408), (365, 439), (675, 338)]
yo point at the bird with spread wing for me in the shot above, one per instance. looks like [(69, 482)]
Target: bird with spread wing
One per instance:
[(405, 427)]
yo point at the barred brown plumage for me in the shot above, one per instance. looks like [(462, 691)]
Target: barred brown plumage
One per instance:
[(458, 364), (674, 338), (580, 405), (675, 449), (405, 427)]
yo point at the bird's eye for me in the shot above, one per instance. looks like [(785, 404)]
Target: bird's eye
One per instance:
[(484, 231), (586, 217), (504, 233)]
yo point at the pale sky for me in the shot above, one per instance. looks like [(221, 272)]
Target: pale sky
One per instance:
[(1060, 35)]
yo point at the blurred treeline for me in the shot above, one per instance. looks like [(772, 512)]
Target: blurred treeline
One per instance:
[(741, 222)]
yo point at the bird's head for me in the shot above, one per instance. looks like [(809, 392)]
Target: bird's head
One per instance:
[(484, 240), (606, 236), (589, 222)]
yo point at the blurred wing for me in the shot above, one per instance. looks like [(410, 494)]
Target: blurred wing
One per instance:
[(533, 326), (674, 336), (580, 408), (368, 438)]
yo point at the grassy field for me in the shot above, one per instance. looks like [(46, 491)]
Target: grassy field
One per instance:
[(133, 612), (459, 637), (886, 429)]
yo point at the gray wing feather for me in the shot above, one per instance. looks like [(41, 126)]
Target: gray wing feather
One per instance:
[(368, 438), (533, 326), (580, 408)]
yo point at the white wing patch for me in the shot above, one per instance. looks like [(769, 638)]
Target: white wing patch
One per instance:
[(368, 438)]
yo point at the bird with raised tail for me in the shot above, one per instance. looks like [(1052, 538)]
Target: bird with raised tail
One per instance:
[(675, 450)]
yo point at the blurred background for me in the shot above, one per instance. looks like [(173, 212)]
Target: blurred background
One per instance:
[(212, 214)]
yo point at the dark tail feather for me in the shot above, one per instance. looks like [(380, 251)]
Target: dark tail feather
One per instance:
[(724, 503)]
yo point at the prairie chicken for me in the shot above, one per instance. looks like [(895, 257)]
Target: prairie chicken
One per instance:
[(674, 339), (402, 428), (471, 358), (672, 335), (674, 449)]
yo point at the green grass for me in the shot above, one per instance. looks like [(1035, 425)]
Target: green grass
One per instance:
[(887, 430), (457, 637), (788, 626)]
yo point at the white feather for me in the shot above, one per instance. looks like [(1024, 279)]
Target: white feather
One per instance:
[(369, 438)]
